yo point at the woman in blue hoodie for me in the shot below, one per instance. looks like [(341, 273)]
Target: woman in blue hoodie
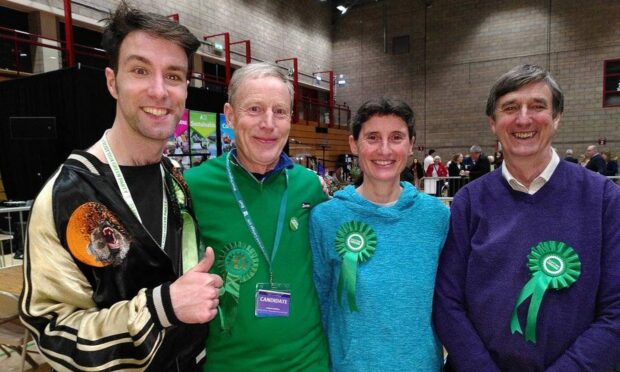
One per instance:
[(375, 253)]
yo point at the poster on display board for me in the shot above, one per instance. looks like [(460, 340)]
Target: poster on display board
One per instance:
[(202, 136), (177, 147), (227, 133)]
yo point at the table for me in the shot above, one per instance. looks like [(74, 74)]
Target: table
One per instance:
[(12, 279), (3, 238), (22, 222)]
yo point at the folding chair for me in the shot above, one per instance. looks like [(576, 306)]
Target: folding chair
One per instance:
[(13, 334)]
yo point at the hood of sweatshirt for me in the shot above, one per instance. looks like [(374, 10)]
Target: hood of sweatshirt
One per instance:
[(364, 208)]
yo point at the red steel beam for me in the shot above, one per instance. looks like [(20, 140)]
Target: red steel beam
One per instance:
[(295, 88), (331, 94), (69, 34), (228, 69), (248, 50)]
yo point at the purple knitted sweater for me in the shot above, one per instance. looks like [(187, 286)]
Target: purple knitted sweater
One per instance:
[(483, 268)]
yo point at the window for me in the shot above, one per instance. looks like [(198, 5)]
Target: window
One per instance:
[(86, 45), (14, 55), (611, 83)]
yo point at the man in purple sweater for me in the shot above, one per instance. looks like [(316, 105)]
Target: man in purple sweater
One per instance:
[(529, 277)]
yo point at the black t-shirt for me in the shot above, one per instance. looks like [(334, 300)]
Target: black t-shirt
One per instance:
[(145, 184)]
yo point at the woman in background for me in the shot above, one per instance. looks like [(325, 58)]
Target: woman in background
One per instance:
[(437, 169), (418, 172), (375, 251), (456, 169)]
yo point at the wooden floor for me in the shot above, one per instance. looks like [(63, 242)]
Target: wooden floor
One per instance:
[(13, 362), (10, 261)]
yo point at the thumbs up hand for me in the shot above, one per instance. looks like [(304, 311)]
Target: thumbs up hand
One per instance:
[(194, 295), (205, 264)]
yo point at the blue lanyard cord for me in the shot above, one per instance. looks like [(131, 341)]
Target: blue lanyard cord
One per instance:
[(250, 223)]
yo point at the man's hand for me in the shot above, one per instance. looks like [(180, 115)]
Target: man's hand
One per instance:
[(195, 295)]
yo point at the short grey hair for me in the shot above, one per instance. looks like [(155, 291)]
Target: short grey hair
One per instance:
[(520, 76), (569, 152), (257, 71), (475, 148)]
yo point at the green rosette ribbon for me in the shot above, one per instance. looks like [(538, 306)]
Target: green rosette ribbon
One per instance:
[(553, 265), (189, 241), (238, 262), (355, 242)]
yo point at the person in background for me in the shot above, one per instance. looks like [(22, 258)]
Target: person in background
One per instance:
[(320, 169), (569, 156), (428, 160), (430, 185), (455, 169), (418, 172), (105, 286), (529, 277), (583, 160), (407, 173), (375, 251), (499, 159), (596, 162), (435, 170), (253, 205), (467, 162), (611, 165), (491, 162), (480, 163)]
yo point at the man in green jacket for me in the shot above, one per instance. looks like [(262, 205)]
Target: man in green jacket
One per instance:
[(252, 207)]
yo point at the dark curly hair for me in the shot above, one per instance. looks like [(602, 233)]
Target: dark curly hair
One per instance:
[(126, 19)]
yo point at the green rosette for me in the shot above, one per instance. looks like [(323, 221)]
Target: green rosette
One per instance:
[(238, 262), (356, 242), (553, 265)]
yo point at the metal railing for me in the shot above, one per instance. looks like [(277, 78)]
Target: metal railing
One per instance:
[(19, 44), (447, 200), (315, 110)]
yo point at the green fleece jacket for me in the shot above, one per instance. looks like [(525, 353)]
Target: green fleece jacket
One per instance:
[(296, 342)]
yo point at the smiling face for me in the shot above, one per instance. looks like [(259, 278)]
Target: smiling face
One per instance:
[(261, 119), (382, 146), (524, 124), (150, 85)]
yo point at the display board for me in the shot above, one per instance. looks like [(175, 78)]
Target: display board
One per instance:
[(196, 138), (227, 134)]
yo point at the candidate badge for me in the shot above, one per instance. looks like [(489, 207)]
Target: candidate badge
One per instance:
[(355, 242), (272, 303), (553, 265), (95, 237)]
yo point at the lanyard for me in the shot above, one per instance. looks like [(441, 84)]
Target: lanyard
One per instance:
[(122, 185), (248, 219)]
